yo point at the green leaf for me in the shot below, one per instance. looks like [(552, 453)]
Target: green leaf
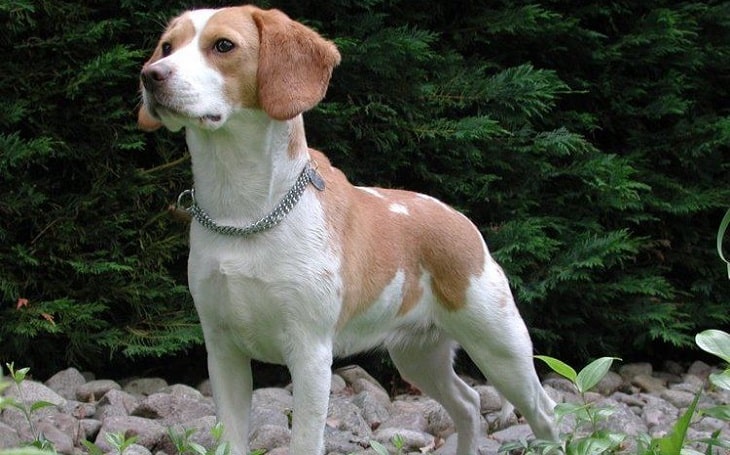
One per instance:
[(719, 412), (672, 443), (721, 380), (378, 447), (593, 373), (40, 405), (559, 367), (715, 342)]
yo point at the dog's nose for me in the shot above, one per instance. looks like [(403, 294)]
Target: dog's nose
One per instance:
[(153, 75)]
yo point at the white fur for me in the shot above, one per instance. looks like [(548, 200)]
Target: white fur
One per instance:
[(278, 297)]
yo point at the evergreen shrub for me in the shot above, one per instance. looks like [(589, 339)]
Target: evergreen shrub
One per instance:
[(589, 142)]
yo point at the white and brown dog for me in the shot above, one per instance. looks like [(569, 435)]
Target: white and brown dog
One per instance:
[(291, 264)]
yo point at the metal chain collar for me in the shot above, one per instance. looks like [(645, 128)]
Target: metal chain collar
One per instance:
[(282, 209)]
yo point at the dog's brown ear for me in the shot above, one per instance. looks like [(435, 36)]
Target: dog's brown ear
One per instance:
[(295, 65), (145, 120)]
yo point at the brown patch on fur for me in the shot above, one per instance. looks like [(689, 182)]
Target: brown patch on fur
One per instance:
[(295, 65), (376, 242), (239, 66)]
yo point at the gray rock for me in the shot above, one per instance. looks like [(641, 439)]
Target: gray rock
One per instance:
[(343, 415), (609, 384), (678, 398), (623, 419), (66, 382), (700, 369), (353, 372), (337, 384), (95, 390), (8, 437), (145, 386), (182, 390), (27, 394), (342, 442), (200, 433), (485, 446), (659, 415), (412, 440), (171, 409), (560, 383), (90, 428), (631, 370), (373, 410), (269, 437), (136, 449), (489, 398), (115, 402), (62, 430), (406, 415), (513, 433), (149, 433), (649, 383), (673, 367)]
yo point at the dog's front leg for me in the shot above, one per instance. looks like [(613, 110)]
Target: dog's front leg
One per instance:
[(310, 368), (232, 384)]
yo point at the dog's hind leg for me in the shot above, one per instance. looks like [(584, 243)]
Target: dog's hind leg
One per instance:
[(491, 331), (428, 365)]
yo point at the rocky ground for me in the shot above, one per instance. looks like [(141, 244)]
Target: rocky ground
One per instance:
[(361, 411)]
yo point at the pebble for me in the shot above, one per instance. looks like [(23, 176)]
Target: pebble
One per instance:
[(360, 410)]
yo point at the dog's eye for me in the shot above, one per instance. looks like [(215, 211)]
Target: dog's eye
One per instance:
[(223, 46), (166, 49)]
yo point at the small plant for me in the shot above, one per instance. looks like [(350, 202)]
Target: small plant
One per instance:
[(18, 376), (587, 415), (184, 446), (398, 442)]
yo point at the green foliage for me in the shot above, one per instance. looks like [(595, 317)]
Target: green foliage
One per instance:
[(586, 140)]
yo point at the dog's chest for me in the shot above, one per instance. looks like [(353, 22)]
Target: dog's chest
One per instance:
[(254, 294)]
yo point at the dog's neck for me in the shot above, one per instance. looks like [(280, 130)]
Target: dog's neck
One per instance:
[(244, 168)]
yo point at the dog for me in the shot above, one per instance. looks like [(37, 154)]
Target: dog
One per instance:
[(291, 264)]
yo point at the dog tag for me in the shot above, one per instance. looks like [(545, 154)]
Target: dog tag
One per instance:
[(316, 179)]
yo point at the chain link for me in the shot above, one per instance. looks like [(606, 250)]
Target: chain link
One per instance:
[(279, 212)]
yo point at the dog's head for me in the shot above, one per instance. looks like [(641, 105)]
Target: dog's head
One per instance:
[(209, 64)]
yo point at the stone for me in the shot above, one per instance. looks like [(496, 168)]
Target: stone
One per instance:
[(269, 437), (90, 428), (631, 370), (337, 384), (149, 433), (28, 393), (413, 441), (352, 373), (513, 433), (95, 390), (489, 399), (406, 415), (66, 382), (609, 383), (700, 369), (8, 437), (649, 384), (659, 415), (678, 398), (372, 409), (115, 402), (343, 415), (200, 433), (145, 386), (183, 390), (622, 420), (485, 446), (61, 430), (171, 409)]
